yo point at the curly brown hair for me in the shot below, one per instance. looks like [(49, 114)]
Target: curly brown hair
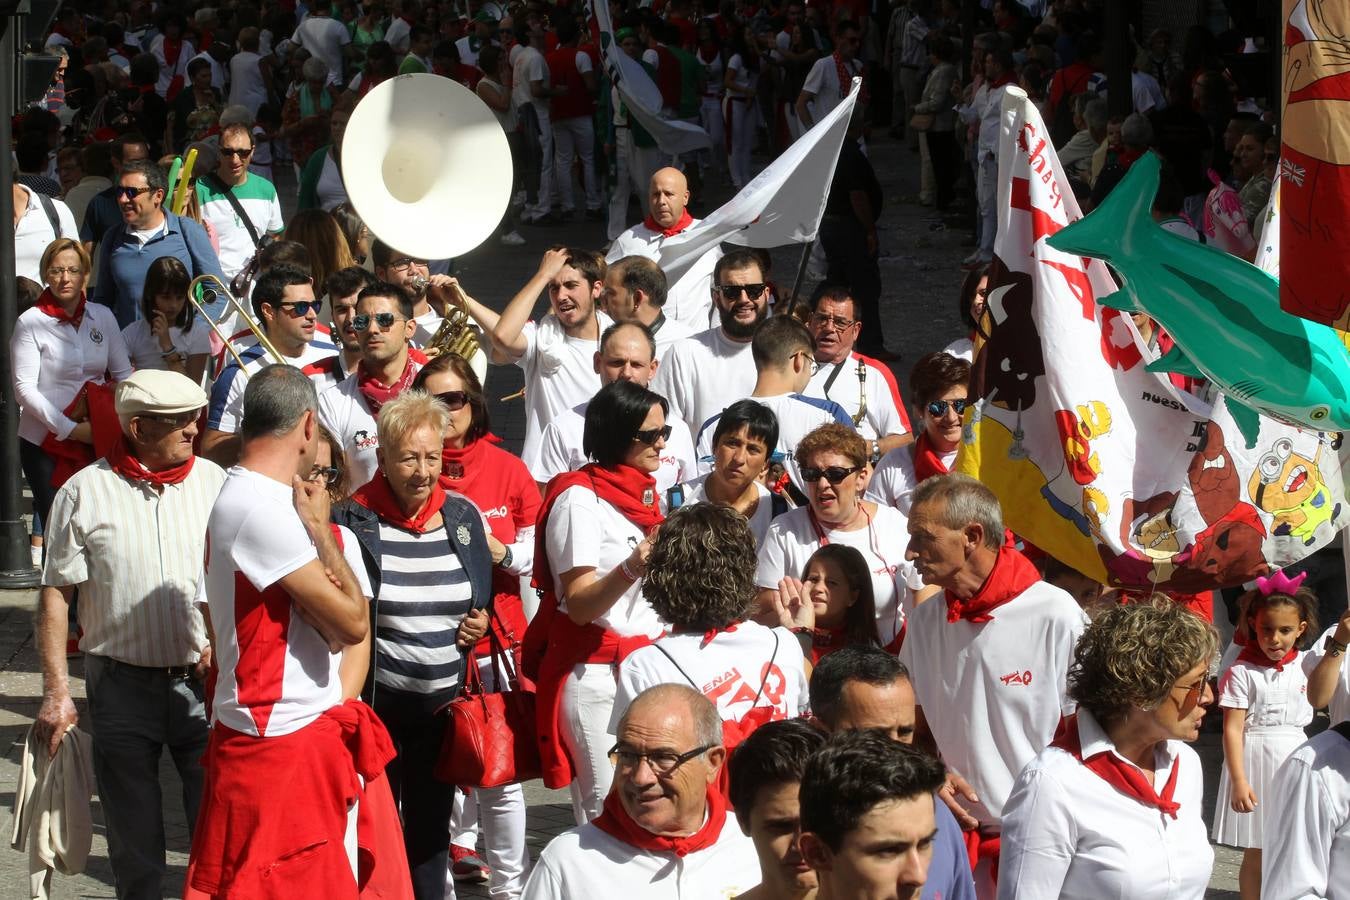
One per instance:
[(701, 573), (832, 438), (1132, 655)]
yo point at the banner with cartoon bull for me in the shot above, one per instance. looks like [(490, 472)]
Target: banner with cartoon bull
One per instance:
[(1137, 479)]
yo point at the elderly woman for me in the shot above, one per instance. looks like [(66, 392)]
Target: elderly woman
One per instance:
[(589, 561), (700, 579), (60, 347), (833, 461), (1113, 807), (430, 572), (743, 441), (938, 385), (500, 485)]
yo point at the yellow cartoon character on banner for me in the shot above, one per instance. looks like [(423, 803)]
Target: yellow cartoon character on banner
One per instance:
[(1289, 486)]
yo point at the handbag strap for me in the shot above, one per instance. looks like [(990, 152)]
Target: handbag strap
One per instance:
[(767, 670), (657, 645)]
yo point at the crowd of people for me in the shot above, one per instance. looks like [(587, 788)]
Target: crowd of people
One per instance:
[(772, 644)]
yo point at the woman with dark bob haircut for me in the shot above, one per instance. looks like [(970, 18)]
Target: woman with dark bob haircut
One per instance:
[(743, 442), (701, 579), (1118, 785), (591, 553)]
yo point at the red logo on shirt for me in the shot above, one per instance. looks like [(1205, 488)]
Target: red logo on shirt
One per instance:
[(1022, 678)]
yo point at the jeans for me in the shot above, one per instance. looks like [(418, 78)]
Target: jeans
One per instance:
[(988, 194), (37, 467), (584, 720), (134, 714)]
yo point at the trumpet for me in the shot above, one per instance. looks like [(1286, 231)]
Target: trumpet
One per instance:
[(232, 304), (456, 334)]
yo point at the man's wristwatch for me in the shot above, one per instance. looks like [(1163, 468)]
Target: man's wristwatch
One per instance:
[(1333, 646), (506, 558)]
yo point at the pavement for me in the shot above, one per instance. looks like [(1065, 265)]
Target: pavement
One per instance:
[(921, 277)]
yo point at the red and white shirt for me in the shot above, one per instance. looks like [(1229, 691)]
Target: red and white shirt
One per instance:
[(885, 413), (276, 672)]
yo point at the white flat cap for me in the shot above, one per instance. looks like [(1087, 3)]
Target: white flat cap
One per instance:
[(157, 392)]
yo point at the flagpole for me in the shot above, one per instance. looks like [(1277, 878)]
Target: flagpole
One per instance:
[(801, 272)]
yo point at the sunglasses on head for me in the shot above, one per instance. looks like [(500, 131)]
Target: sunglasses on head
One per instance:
[(386, 320), (299, 308), (732, 291), (131, 193), (650, 436), (453, 399), (833, 474), (939, 407)]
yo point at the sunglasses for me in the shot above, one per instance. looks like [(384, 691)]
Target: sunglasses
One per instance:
[(939, 407), (386, 320), (329, 474), (236, 151), (453, 399), (302, 308), (650, 436), (732, 291), (131, 193), (834, 474)]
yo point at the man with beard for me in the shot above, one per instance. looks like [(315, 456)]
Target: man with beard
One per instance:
[(557, 353), (703, 374)]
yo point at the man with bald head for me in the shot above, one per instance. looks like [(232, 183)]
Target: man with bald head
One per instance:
[(688, 300), (664, 832)]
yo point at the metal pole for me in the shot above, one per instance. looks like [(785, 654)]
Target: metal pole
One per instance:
[(16, 567), (801, 273), (1119, 51)]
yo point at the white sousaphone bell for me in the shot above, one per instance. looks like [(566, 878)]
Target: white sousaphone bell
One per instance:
[(428, 169)]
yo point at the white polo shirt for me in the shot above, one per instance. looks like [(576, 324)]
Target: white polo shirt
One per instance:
[(885, 413), (792, 538), (1068, 833), (703, 375), (995, 691), (688, 300), (1307, 843), (585, 863), (558, 377), (276, 672)]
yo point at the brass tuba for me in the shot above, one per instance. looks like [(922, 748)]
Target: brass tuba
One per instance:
[(457, 334)]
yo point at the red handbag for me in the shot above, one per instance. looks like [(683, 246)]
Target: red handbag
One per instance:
[(490, 735)]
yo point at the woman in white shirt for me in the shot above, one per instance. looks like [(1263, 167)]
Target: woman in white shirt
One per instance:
[(59, 345), (1112, 808), (745, 437), (168, 334), (595, 527), (740, 81)]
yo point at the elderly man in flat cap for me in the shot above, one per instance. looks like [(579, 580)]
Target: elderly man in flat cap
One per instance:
[(129, 533)]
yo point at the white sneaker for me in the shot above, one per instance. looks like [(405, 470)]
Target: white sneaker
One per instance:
[(512, 239)]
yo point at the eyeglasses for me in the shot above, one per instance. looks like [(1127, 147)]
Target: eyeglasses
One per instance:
[(810, 360), (1193, 693), (174, 422), (329, 474), (386, 320), (732, 291), (650, 436), (453, 399), (300, 308), (236, 151), (939, 407), (57, 271), (834, 474), (131, 193), (838, 323), (402, 265), (663, 762)]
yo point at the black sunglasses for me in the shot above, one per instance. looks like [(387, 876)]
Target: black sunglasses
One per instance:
[(297, 308), (732, 291), (939, 407), (833, 474), (236, 151), (385, 320), (650, 436), (453, 399)]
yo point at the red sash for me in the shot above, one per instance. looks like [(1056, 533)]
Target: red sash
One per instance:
[(616, 823), (1116, 772), (71, 455), (1012, 574)]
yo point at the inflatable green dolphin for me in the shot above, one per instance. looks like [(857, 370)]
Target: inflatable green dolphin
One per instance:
[(1224, 314)]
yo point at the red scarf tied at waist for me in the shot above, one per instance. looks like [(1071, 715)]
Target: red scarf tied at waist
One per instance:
[(70, 455), (1116, 772), (616, 823), (1012, 574), (553, 643), (376, 393), (128, 466), (47, 304), (927, 461), (1254, 655), (378, 497), (685, 221)]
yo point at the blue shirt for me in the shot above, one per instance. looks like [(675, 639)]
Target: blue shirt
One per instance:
[(949, 875), (123, 261)]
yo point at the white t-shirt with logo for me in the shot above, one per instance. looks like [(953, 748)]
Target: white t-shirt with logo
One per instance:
[(703, 375), (557, 379), (343, 411)]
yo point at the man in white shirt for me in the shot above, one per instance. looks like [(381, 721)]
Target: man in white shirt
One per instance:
[(986, 109), (868, 817), (324, 37), (1307, 825), (863, 386), (635, 291), (348, 409), (831, 77), (688, 299), (704, 374), (989, 659), (627, 353), (240, 205), (413, 276), (530, 94), (145, 644), (42, 219), (558, 353), (664, 833), (343, 287), (283, 301)]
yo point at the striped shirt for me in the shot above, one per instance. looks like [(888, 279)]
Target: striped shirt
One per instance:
[(226, 410), (424, 595), (136, 555)]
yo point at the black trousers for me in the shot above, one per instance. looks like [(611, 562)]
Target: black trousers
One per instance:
[(942, 150), (847, 261)]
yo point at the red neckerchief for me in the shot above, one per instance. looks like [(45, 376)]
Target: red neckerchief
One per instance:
[(1127, 155), (172, 47), (1116, 772), (846, 79), (681, 225), (378, 497), (462, 460), (616, 823), (927, 461), (714, 632), (376, 393), (1005, 78), (47, 304), (1012, 574), (823, 537), (1257, 657), (128, 466), (825, 641)]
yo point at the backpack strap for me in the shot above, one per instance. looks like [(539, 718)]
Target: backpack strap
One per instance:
[(49, 208)]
